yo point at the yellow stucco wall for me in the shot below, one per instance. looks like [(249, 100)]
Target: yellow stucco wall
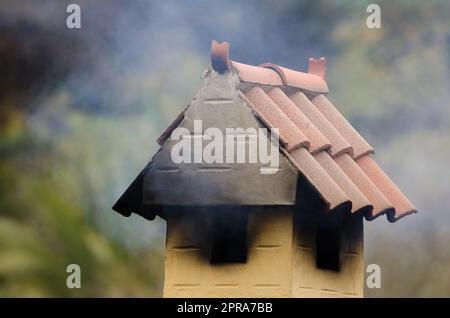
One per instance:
[(280, 262), (310, 281)]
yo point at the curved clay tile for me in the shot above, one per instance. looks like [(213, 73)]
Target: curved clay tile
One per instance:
[(381, 205), (401, 203), (257, 75), (275, 75), (359, 145), (277, 69), (333, 195), (306, 81), (338, 144), (360, 204), (317, 140), (270, 114)]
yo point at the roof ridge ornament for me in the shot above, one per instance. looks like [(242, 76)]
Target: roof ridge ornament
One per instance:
[(317, 67), (220, 53)]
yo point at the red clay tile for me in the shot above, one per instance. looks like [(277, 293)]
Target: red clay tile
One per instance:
[(359, 145), (271, 74), (277, 69), (381, 205), (338, 144), (270, 114), (306, 81), (331, 193), (401, 203), (257, 75), (359, 201), (317, 141)]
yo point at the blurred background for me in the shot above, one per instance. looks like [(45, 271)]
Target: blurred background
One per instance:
[(80, 110)]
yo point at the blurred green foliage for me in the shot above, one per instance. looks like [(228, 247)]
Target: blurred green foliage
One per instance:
[(47, 222)]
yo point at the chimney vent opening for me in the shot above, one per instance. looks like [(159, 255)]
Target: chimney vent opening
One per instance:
[(328, 248), (229, 237)]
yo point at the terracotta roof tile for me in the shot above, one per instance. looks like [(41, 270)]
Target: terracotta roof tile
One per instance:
[(306, 81), (271, 74), (338, 144), (359, 145), (317, 139), (277, 69), (380, 203), (359, 200), (274, 118), (334, 173), (258, 75), (401, 203), (332, 194)]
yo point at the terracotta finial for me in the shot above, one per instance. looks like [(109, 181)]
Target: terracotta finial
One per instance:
[(220, 56), (318, 67)]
